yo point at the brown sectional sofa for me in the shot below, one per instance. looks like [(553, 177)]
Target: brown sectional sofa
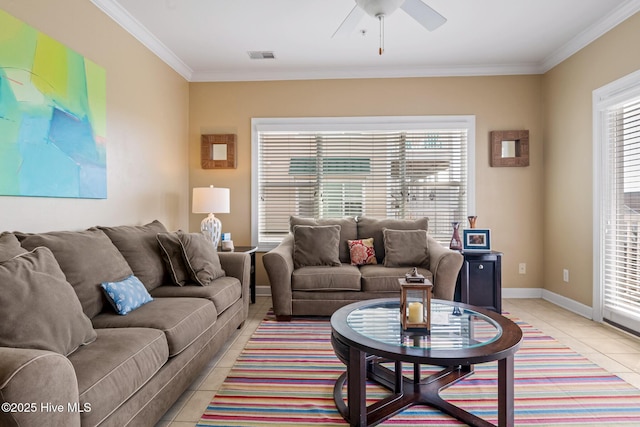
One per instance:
[(128, 369), (322, 289)]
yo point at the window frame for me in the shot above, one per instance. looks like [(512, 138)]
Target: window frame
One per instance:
[(604, 99), (365, 123)]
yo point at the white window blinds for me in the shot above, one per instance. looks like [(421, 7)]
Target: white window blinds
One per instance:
[(385, 173), (621, 260)]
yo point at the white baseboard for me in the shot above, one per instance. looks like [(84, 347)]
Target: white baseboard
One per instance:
[(263, 291), (568, 303), (521, 292), (559, 300)]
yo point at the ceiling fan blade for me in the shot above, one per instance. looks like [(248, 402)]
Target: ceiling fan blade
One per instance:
[(350, 22), (425, 15)]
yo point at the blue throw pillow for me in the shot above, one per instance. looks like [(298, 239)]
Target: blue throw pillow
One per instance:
[(126, 295)]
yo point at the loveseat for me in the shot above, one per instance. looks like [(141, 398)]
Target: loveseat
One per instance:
[(324, 264), (68, 358)]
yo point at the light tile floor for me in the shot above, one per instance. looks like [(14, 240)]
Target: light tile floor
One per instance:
[(612, 349)]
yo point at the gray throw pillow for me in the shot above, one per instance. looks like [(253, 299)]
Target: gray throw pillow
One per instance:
[(9, 246), (406, 248), (40, 310), (200, 258), (372, 227), (171, 250), (316, 245), (348, 231), (87, 259), (139, 247)]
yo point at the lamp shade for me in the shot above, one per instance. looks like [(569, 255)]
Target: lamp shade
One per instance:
[(210, 200)]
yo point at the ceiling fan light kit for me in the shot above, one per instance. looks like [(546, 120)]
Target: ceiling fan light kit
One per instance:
[(418, 10), (379, 7)]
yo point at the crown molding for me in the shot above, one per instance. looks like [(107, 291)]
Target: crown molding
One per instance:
[(589, 35), (115, 11), (365, 73)]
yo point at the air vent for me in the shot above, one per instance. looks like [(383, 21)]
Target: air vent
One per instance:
[(261, 54)]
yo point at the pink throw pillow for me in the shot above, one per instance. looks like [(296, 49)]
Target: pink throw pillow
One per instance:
[(362, 251)]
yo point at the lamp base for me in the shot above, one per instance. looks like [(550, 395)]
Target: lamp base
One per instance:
[(211, 227)]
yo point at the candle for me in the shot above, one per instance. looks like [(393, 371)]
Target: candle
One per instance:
[(416, 314)]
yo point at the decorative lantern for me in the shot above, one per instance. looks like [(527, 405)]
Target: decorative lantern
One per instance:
[(415, 306)]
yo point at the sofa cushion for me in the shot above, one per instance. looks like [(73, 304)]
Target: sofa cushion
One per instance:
[(9, 246), (348, 231), (372, 227), (126, 295), (140, 248), (200, 258), (181, 319), (377, 278), (362, 252), (315, 245), (406, 248), (39, 308), (87, 259), (223, 292), (116, 365), (322, 278)]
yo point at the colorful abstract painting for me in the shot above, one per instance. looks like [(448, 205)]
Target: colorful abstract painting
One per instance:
[(52, 117)]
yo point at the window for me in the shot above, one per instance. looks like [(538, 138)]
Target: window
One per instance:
[(617, 195), (386, 167)]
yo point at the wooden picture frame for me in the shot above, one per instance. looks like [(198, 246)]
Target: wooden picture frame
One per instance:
[(218, 151), (509, 148)]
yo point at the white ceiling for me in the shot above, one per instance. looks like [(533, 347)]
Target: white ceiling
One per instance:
[(208, 40)]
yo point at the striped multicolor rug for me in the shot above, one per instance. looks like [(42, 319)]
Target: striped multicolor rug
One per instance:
[(286, 373)]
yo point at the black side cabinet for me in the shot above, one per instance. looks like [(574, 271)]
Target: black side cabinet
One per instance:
[(480, 280)]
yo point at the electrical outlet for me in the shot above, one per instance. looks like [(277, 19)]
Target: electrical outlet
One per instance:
[(522, 268), (565, 275)]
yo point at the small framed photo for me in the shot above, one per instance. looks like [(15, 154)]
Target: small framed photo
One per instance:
[(476, 239)]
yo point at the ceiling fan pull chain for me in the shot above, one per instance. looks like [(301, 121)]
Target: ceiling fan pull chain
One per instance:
[(381, 19)]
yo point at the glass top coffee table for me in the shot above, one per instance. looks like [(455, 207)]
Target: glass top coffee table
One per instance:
[(367, 337)]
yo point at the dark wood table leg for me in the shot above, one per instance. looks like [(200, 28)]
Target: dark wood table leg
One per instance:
[(357, 388), (397, 388), (252, 277), (505, 392), (408, 393)]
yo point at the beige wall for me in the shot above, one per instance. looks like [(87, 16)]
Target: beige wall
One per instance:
[(508, 200), (541, 215), (147, 127), (568, 159)]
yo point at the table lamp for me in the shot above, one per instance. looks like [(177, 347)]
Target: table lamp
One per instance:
[(211, 200)]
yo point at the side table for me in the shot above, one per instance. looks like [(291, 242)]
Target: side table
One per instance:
[(251, 250), (480, 280)]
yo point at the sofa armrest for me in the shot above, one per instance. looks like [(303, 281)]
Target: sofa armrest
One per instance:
[(278, 263), (445, 267), (34, 382), (238, 265)]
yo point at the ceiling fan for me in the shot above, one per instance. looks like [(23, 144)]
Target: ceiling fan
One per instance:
[(423, 14)]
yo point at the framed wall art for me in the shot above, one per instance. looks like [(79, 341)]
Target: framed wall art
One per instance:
[(53, 111), (218, 151), (509, 148)]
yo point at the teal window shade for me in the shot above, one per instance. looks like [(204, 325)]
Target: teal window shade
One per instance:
[(330, 166)]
